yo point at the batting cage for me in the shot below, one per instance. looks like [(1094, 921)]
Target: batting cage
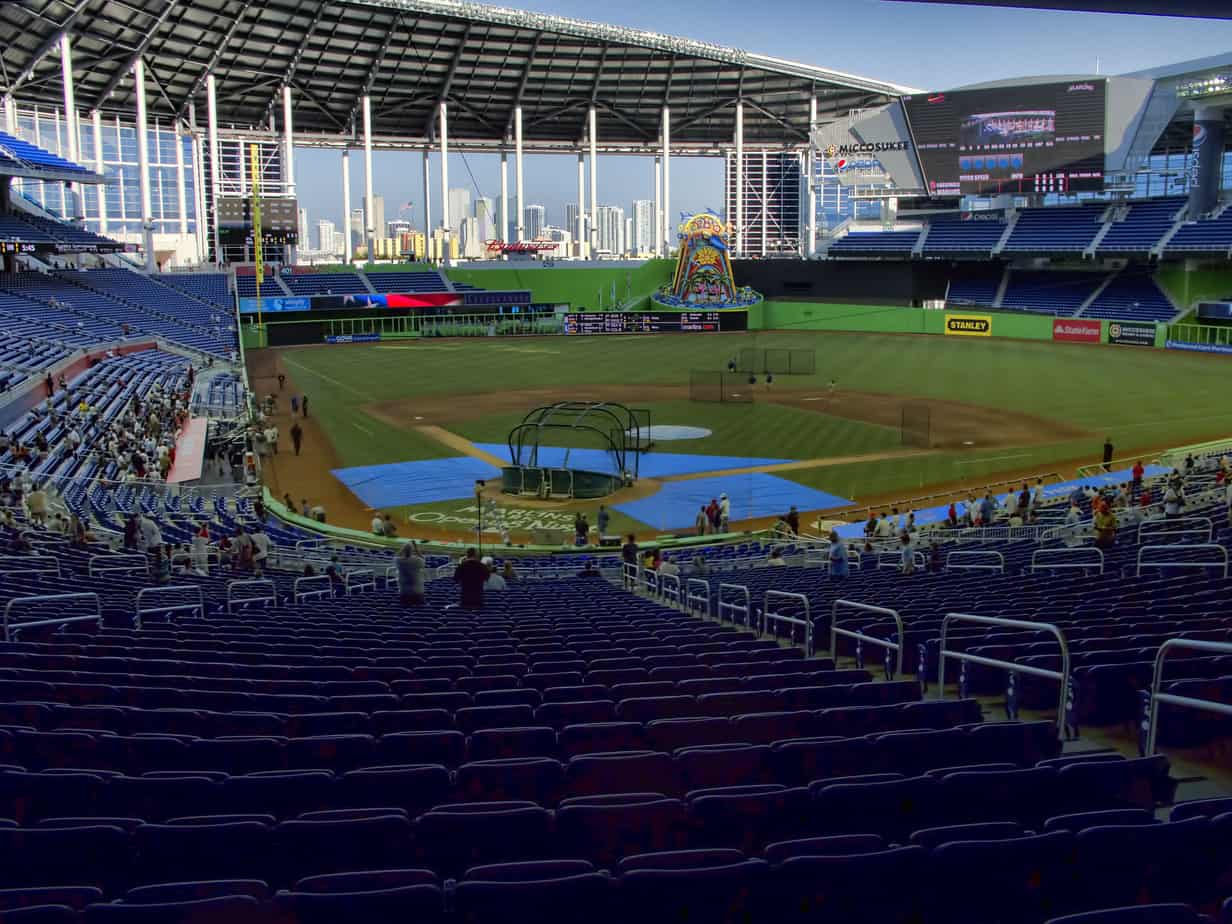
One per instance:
[(916, 425), (725, 387), (763, 361)]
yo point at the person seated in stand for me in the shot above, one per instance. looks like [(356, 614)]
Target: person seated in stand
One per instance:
[(668, 567), (776, 559), (508, 573), (589, 571), (494, 581)]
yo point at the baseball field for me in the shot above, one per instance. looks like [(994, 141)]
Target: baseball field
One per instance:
[(406, 427)]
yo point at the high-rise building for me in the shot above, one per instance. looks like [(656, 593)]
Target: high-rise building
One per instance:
[(325, 236), (628, 238), (396, 227), (773, 181), (339, 243), (485, 212), (534, 218), (610, 227), (356, 225), (376, 219), (472, 245), (563, 238), (459, 207), (642, 239), (304, 241)]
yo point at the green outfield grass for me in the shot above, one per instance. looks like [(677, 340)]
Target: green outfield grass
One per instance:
[(1139, 397)]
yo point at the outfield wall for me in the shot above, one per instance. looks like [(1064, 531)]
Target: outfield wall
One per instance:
[(578, 288), (779, 315)]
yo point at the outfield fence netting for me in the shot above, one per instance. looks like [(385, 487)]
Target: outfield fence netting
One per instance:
[(770, 361)]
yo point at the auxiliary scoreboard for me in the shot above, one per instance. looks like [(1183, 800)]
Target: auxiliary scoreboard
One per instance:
[(655, 322)]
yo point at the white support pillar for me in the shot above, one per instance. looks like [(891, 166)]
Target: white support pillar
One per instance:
[(579, 226), (211, 103), (765, 217), (427, 203), (288, 143), (347, 253), (446, 218), (503, 232), (738, 230), (96, 119), (519, 193), (10, 114), (810, 245), (369, 228), (657, 225), (70, 120), (143, 163), (593, 126), (120, 175), (667, 181), (199, 190), (181, 188)]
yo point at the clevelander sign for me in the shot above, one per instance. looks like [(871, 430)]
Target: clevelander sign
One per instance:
[(968, 325)]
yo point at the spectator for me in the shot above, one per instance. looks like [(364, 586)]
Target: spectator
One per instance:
[(378, 525), (288, 502), (724, 512), (337, 576), (776, 559), (589, 571), (602, 519), (1108, 449), (793, 520), (839, 564), (243, 547), (1138, 472), (132, 533), (411, 567), (200, 549), (951, 516), (986, 510), (508, 573), (260, 550), (581, 529), (700, 568), (1105, 526), (317, 513), (297, 436), (390, 527), (628, 552), (669, 567), (1174, 502), (151, 536), (701, 521), (908, 555), (712, 516), (303, 506), (470, 576), (885, 529), (36, 505), (494, 581), (271, 437), (870, 528)]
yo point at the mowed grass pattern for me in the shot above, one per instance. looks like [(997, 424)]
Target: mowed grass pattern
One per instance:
[(1139, 397)]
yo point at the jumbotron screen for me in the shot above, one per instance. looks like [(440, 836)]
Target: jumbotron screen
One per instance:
[(279, 220), (1042, 138), (649, 322)]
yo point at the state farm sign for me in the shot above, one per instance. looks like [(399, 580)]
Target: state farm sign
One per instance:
[(1077, 330)]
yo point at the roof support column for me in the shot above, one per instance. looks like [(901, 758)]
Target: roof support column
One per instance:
[(519, 191), (10, 114), (143, 163), (656, 234), (427, 201), (369, 212), (503, 232), (667, 181), (593, 126), (738, 230), (203, 247), (211, 114), (288, 142), (765, 205), (70, 119), (96, 119), (446, 218), (348, 244), (181, 188), (579, 229), (810, 246)]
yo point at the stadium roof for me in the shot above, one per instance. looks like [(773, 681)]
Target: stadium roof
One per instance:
[(410, 55), (1203, 9)]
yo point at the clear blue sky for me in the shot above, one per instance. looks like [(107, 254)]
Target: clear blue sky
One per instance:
[(922, 45)]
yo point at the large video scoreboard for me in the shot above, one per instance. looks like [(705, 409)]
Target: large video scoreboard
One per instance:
[(279, 220), (655, 322), (1032, 138)]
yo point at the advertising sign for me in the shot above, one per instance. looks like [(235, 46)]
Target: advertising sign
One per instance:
[(1134, 333), (968, 325), (1199, 347), (1076, 330)]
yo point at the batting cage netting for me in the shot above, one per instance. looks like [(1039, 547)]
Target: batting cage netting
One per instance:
[(916, 425), (725, 387), (758, 360)]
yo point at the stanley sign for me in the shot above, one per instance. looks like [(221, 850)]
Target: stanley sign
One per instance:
[(968, 325)]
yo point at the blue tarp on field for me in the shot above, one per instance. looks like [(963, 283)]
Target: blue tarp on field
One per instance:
[(676, 504), (653, 464), (402, 483)]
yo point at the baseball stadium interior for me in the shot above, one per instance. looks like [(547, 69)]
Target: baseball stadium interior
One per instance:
[(854, 549)]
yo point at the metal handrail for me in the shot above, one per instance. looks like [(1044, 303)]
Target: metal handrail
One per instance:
[(1078, 553), (631, 575), (1220, 553), (1062, 675), (986, 560), (726, 606), (887, 560), (835, 631), (134, 563), (669, 587), (1206, 705), (768, 615), (181, 591), (650, 581), (692, 599), (358, 580), (270, 598), (96, 616), (25, 561), (318, 586), (1158, 529)]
